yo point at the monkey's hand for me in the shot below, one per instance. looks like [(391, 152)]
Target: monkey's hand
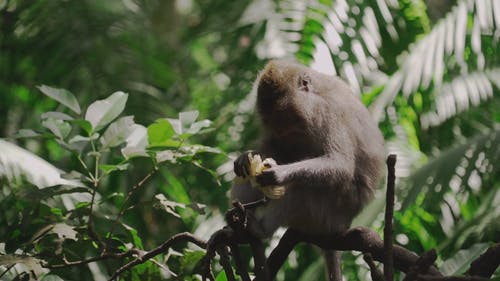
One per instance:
[(242, 165), (272, 176), (249, 166)]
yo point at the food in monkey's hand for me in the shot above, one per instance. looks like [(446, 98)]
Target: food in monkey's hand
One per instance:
[(257, 166)]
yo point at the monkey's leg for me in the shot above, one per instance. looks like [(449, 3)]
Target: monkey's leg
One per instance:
[(333, 261)]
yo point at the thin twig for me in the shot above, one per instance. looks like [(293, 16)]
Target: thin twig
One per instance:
[(90, 260), (185, 236), (389, 214), (129, 194)]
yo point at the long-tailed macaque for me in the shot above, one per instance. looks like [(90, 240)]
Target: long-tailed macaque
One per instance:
[(328, 150)]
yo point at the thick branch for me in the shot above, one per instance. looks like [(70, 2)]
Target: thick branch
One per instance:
[(487, 263), (360, 239)]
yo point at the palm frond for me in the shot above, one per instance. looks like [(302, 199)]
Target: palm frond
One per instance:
[(17, 163), (454, 46), (461, 93)]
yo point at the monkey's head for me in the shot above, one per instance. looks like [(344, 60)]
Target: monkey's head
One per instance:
[(292, 99)]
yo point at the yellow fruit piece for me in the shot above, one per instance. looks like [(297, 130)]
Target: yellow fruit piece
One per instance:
[(257, 166)]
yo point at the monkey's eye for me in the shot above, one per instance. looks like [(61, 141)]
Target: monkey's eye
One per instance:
[(305, 83)]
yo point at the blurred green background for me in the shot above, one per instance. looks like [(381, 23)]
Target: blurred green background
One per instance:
[(429, 71)]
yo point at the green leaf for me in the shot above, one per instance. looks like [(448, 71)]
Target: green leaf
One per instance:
[(135, 236), (62, 96), (17, 163), (137, 141), (56, 115), (79, 138), (197, 126), (26, 133), (160, 134), (221, 276), (102, 112), (117, 132), (107, 169), (187, 118), (59, 128), (175, 189), (190, 259), (84, 124)]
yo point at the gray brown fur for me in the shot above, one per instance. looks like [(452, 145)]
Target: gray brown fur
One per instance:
[(329, 151)]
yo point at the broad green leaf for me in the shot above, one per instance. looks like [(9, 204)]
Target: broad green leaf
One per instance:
[(17, 163), (176, 189), (137, 141), (59, 128), (102, 112), (221, 276), (84, 124), (26, 133), (62, 96), (197, 126), (107, 169), (187, 118), (56, 115), (79, 138), (176, 125), (190, 259), (160, 134), (117, 132)]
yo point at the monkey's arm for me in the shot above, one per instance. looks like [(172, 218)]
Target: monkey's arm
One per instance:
[(330, 169)]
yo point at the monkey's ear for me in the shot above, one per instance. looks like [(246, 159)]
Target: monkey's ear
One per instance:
[(305, 83)]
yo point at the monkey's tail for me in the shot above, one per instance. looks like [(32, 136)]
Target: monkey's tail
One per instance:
[(333, 260)]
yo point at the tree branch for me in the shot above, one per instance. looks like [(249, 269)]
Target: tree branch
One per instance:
[(389, 214), (185, 236)]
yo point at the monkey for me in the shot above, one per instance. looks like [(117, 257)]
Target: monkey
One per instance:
[(329, 154)]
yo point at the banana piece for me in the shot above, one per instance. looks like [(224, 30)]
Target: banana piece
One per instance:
[(257, 166)]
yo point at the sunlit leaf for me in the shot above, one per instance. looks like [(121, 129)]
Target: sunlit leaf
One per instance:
[(160, 134), (102, 112), (107, 169), (84, 124), (137, 141), (16, 163), (117, 132), (59, 128), (62, 96), (56, 115), (26, 133)]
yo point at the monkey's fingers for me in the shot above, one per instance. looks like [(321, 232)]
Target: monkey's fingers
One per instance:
[(242, 164), (267, 177)]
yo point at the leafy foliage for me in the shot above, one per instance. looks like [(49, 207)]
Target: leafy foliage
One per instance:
[(130, 168)]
